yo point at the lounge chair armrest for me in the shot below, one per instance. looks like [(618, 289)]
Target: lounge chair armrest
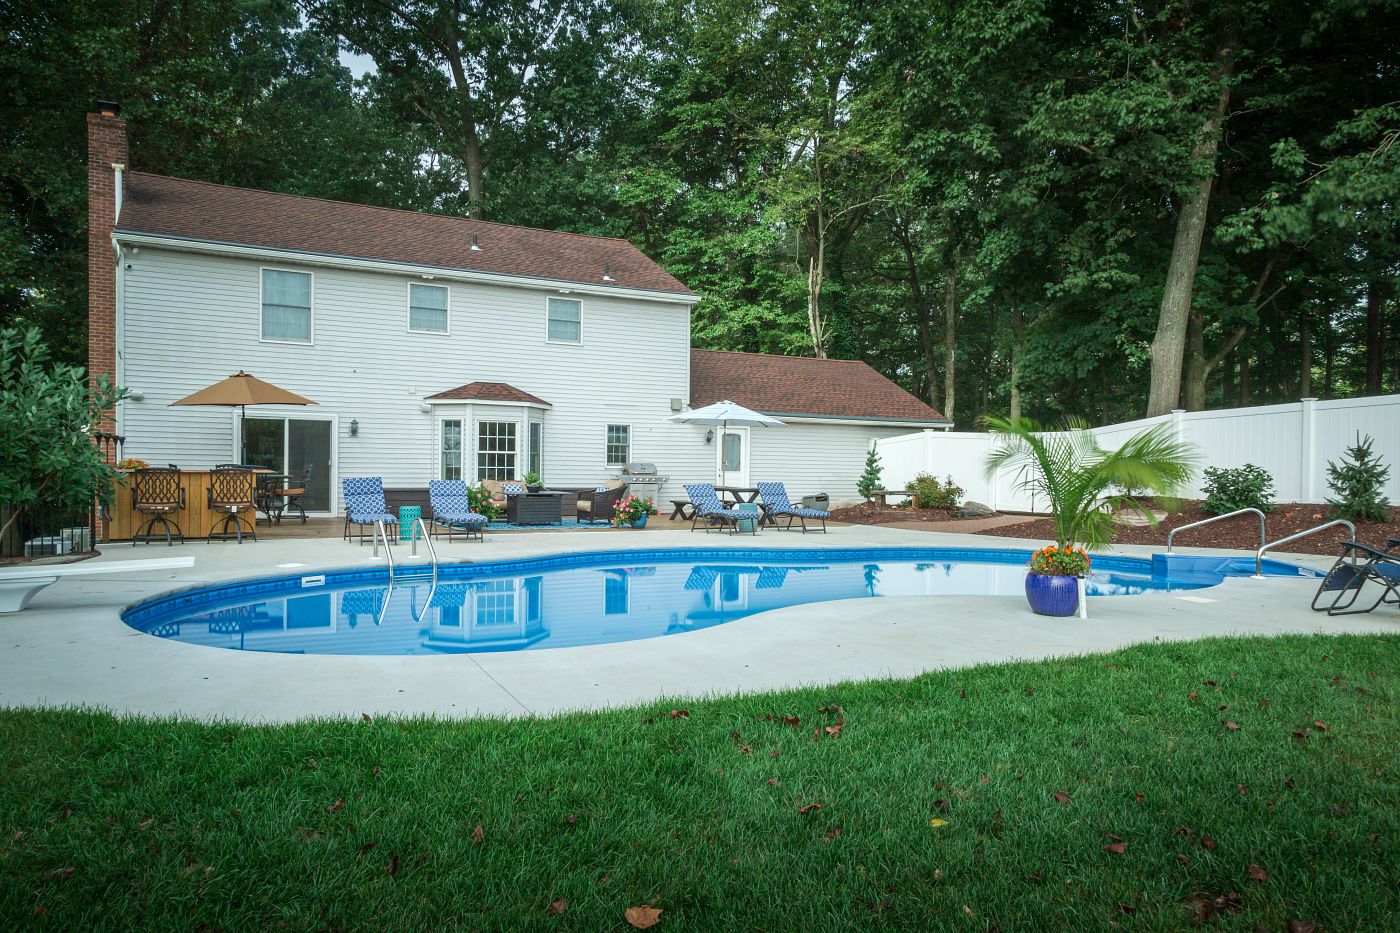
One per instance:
[(1376, 553)]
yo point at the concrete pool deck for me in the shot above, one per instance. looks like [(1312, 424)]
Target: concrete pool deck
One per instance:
[(70, 648)]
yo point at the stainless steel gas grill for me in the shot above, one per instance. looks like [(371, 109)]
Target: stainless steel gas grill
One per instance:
[(642, 479)]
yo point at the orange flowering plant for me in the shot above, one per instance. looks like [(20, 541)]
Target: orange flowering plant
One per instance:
[(1069, 561)]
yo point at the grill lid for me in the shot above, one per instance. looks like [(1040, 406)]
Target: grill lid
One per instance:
[(639, 468)]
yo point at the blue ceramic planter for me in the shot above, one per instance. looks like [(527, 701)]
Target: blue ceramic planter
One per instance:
[(1051, 595), (640, 522)]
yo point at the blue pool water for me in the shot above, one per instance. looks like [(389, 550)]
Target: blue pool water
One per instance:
[(595, 598)]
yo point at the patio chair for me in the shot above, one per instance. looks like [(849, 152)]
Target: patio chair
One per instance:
[(709, 509), (365, 505), (598, 505), (499, 492), (156, 493), (1358, 565), (289, 496), (232, 492), (776, 503), (452, 509)]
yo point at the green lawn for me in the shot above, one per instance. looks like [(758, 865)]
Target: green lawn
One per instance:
[(163, 825)]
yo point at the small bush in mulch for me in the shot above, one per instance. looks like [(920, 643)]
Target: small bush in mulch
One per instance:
[(872, 513)]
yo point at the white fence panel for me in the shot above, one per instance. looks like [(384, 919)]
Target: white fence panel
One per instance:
[(1294, 442)]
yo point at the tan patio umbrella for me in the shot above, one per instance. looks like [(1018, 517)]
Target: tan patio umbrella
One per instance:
[(241, 390)]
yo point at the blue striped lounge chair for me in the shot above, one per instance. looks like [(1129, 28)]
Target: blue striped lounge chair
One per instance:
[(452, 510), (365, 505), (711, 511), (776, 502)]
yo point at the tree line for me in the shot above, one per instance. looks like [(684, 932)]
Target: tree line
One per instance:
[(1041, 207)]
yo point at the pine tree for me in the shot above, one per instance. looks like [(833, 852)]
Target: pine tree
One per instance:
[(870, 480), (1358, 484)]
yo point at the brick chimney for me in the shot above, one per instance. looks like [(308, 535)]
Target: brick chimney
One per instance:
[(107, 155)]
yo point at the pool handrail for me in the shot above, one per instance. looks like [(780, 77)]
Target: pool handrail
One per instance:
[(1216, 518), (1259, 554), (379, 533)]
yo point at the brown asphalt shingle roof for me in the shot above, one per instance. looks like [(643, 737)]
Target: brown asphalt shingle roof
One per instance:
[(489, 392), (800, 385), (156, 204)]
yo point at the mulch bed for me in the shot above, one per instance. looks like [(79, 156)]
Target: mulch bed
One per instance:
[(871, 513), (1241, 533)]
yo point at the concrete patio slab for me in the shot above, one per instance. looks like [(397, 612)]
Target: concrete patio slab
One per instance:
[(71, 648)]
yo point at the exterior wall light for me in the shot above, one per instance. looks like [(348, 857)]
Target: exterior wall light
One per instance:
[(354, 427), (710, 436)]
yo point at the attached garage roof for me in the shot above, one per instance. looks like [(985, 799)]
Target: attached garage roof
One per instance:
[(175, 207), (802, 385), (488, 392)]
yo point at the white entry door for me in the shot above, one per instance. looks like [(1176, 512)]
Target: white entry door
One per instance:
[(734, 457)]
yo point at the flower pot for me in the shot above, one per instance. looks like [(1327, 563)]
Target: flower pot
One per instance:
[(535, 488), (640, 522), (1052, 594)]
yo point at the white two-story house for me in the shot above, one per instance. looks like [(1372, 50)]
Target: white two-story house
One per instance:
[(434, 347)]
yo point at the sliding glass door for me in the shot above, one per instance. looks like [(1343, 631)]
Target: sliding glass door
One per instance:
[(290, 445)]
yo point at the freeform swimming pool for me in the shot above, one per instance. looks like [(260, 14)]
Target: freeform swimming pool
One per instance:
[(599, 597)]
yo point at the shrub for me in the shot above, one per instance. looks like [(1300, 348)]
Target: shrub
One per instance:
[(928, 493), (870, 480), (1231, 488), (480, 500), (1359, 484)]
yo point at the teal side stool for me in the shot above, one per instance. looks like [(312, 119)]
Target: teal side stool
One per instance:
[(408, 521), (746, 524)]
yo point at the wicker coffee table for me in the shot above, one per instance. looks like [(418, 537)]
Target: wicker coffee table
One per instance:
[(535, 508)]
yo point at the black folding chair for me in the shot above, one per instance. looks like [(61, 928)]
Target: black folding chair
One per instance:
[(1358, 565)]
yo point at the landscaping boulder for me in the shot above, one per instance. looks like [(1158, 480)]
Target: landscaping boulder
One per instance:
[(972, 509)]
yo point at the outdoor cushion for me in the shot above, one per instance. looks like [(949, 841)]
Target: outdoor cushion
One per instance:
[(776, 498), (451, 504)]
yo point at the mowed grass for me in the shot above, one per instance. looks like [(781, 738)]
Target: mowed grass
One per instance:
[(372, 825)]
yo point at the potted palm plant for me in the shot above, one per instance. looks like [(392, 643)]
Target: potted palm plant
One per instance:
[(1077, 478)]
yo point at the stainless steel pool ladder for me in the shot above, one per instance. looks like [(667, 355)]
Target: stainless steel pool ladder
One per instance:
[(1218, 518), (1259, 554), (419, 525)]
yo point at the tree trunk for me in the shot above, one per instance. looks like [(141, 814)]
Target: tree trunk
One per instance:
[(950, 338), (921, 311), (1169, 344), (1193, 393), (1017, 327), (471, 140), (1306, 358), (1244, 380), (1327, 357), (1375, 336)]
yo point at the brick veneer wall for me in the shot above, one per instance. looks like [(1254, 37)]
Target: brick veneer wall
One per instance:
[(107, 144)]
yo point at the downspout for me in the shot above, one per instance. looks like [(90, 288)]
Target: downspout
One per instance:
[(117, 168), (119, 329)]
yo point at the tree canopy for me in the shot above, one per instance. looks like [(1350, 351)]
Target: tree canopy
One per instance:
[(1033, 207)]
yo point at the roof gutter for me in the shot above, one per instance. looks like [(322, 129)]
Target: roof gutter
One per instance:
[(927, 423), (335, 261)]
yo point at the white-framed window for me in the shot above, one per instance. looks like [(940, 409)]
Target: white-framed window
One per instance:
[(451, 459), (286, 306), (496, 449), (427, 308), (619, 444), (565, 321), (537, 447), (616, 593)]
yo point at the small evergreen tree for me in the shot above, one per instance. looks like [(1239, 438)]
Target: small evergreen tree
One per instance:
[(1358, 484), (870, 480)]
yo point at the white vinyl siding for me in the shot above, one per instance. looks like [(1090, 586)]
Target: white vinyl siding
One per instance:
[(427, 308), (286, 306), (565, 320), (619, 444)]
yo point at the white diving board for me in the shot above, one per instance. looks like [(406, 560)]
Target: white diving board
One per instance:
[(19, 584)]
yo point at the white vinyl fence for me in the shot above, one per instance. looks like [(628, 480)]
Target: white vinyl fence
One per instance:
[(1293, 442)]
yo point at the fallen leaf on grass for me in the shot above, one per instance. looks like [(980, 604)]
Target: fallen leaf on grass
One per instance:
[(1062, 797), (337, 806), (367, 717), (1302, 926), (478, 834), (557, 906), (809, 807), (832, 833), (419, 860), (746, 749), (1257, 873), (1231, 725), (1183, 860), (392, 868), (1205, 905), (1126, 908), (942, 806), (680, 714), (1319, 725), (571, 820), (367, 847), (1208, 843), (936, 822), (790, 721), (834, 731), (1117, 848), (643, 917)]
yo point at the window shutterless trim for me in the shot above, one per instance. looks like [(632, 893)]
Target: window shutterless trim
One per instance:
[(608, 460), (564, 343), (310, 310), (446, 311)]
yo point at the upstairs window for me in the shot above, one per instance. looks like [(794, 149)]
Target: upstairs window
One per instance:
[(286, 306), (565, 320), (427, 308)]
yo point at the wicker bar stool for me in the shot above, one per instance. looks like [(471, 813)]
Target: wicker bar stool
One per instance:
[(231, 491), (156, 493)]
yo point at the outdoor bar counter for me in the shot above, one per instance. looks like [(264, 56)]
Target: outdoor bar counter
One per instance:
[(195, 520)]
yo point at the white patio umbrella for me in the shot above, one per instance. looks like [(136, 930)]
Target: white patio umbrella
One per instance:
[(725, 415)]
